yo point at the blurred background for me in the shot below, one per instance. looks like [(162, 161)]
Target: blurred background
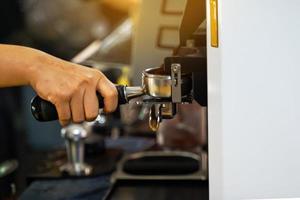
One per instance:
[(119, 37), (59, 27)]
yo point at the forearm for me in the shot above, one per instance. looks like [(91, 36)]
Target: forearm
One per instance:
[(18, 65), (70, 87)]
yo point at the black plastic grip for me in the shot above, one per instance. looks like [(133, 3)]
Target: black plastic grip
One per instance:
[(43, 110)]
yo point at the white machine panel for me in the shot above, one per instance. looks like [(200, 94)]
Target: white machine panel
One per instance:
[(254, 100)]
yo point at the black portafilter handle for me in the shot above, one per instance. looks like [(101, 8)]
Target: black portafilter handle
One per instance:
[(43, 110)]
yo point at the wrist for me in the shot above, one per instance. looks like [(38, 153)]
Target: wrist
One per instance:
[(33, 70), (37, 66)]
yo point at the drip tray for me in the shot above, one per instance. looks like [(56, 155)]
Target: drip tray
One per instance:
[(162, 165), (160, 175), (158, 190)]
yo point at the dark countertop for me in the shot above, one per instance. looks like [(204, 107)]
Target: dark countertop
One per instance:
[(87, 188), (97, 187), (84, 188)]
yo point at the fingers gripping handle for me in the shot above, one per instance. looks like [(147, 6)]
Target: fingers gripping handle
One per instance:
[(43, 110)]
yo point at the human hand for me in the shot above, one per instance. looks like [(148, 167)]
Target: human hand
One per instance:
[(72, 89)]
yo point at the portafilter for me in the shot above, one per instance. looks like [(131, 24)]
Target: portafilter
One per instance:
[(156, 85)]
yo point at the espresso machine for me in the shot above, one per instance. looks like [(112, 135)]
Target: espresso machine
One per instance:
[(251, 89), (181, 79)]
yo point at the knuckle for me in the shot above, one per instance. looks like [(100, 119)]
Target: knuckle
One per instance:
[(77, 119), (78, 82), (93, 74), (64, 122), (109, 110), (90, 78), (65, 119), (92, 114), (86, 80), (64, 96), (63, 115), (96, 72), (58, 99), (112, 94), (91, 117), (75, 90), (98, 75)]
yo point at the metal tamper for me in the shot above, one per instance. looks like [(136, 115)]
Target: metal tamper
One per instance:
[(74, 136)]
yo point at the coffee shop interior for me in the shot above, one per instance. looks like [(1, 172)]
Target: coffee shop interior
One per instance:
[(207, 101)]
